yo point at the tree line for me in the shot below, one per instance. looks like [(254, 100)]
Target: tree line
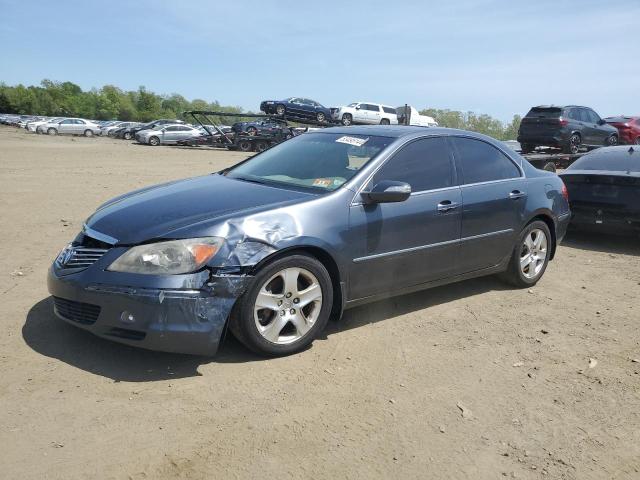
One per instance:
[(110, 102)]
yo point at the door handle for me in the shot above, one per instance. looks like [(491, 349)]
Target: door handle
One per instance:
[(517, 194), (446, 206)]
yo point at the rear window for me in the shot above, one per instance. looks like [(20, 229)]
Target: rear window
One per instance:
[(616, 160), (545, 112)]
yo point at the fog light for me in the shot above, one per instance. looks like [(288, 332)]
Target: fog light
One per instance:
[(127, 317)]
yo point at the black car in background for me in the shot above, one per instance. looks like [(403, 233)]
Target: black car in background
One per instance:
[(297, 107), (604, 189), (568, 128), (263, 126), (130, 132)]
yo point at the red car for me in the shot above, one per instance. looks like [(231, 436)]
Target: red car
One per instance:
[(628, 128)]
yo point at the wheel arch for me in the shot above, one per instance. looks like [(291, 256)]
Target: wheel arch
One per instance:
[(326, 259)]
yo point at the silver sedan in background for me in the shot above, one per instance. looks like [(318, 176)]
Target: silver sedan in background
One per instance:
[(167, 134), (71, 126)]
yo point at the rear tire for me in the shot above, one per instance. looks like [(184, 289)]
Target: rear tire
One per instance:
[(88, 133), (292, 328), (573, 146), (637, 142), (612, 141), (261, 146), (530, 256), (321, 117), (127, 136), (280, 110), (385, 121)]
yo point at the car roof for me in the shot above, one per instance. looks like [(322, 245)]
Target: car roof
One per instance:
[(398, 131)]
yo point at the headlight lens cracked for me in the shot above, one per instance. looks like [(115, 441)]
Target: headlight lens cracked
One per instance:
[(168, 258)]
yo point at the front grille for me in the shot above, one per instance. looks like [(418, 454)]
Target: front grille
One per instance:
[(79, 257), (78, 312)]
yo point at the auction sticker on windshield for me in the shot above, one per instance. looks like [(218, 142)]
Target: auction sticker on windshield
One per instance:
[(355, 141)]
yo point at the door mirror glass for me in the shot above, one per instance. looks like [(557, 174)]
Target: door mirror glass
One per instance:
[(357, 107), (601, 122), (387, 191)]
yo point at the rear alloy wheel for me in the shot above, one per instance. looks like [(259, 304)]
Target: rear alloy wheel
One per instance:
[(530, 256), (286, 307), (52, 131), (385, 121), (320, 117), (261, 146), (280, 110), (88, 133), (347, 119), (574, 143), (154, 141), (612, 140), (127, 135)]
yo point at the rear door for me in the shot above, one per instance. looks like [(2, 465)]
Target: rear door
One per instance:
[(407, 243), (373, 114), (66, 126), (494, 197)]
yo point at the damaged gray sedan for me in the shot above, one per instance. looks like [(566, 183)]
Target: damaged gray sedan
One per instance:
[(276, 245)]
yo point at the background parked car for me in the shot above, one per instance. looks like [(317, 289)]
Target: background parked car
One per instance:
[(567, 127), (628, 129), (167, 134), (365, 113), (604, 189), (263, 126), (110, 129), (408, 115), (71, 126), (297, 107)]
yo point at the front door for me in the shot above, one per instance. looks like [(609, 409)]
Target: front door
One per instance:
[(408, 243), (494, 196)]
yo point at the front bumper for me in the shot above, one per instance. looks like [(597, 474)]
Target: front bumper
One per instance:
[(188, 321)]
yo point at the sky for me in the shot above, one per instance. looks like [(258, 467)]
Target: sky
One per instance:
[(498, 57)]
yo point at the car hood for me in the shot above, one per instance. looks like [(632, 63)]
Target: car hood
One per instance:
[(186, 208)]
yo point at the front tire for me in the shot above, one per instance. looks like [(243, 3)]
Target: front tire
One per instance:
[(245, 145), (52, 131), (285, 308), (154, 141), (530, 256), (347, 119), (127, 136), (321, 117), (637, 141), (612, 140), (280, 110)]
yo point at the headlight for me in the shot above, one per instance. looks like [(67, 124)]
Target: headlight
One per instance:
[(168, 258)]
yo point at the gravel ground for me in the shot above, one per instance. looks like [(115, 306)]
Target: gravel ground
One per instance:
[(472, 380)]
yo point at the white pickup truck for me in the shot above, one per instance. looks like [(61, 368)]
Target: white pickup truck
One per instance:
[(414, 117)]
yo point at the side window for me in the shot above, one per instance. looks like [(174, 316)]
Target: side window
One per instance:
[(593, 116), (482, 162), (573, 114), (171, 129), (79, 122), (424, 164), (66, 122), (584, 115), (373, 108), (389, 110)]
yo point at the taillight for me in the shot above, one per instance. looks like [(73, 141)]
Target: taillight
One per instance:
[(565, 192), (563, 121)]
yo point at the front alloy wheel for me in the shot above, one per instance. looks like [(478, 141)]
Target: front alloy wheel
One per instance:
[(321, 117), (612, 140), (286, 307)]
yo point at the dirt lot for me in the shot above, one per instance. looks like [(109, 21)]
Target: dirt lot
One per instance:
[(473, 380)]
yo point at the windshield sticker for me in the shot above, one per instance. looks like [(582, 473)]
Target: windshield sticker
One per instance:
[(355, 141), (322, 182)]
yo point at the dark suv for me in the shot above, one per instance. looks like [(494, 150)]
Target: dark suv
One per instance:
[(568, 128)]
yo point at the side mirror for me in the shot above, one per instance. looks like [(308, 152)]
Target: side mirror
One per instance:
[(387, 191), (357, 107), (601, 122)]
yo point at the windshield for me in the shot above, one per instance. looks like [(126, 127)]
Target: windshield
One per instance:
[(318, 161)]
